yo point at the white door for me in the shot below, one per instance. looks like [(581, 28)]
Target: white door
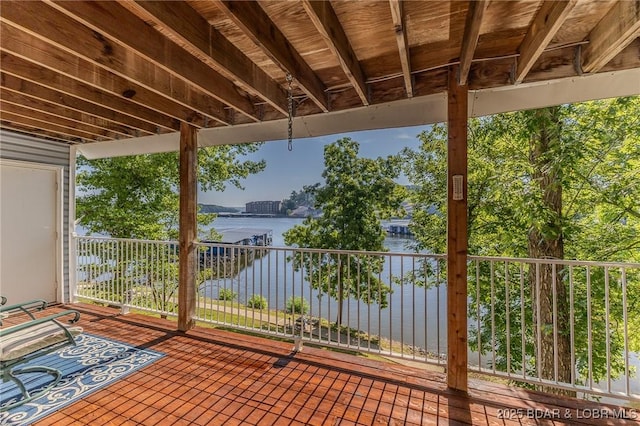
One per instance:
[(29, 228)]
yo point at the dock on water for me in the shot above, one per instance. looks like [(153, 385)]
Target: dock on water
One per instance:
[(398, 227), (250, 237), (245, 236)]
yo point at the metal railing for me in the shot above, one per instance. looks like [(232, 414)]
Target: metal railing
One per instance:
[(392, 302), (140, 274), (579, 337), (556, 323)]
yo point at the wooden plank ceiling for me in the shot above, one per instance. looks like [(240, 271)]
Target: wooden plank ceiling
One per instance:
[(86, 71)]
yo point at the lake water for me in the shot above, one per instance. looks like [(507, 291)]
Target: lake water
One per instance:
[(413, 312), (415, 315), (281, 225)]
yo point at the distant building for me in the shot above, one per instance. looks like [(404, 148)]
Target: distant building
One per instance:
[(263, 207)]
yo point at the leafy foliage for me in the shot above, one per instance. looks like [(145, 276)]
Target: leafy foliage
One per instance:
[(306, 197), (136, 196), (257, 301), (357, 194), (297, 306), (595, 165), (226, 294)]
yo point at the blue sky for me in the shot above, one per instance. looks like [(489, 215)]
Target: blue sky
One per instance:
[(288, 171)]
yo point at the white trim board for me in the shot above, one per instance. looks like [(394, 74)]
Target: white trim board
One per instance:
[(416, 111)]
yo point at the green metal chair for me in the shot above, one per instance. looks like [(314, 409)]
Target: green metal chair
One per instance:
[(24, 342), (25, 307)]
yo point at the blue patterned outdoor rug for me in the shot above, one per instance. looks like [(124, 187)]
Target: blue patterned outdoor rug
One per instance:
[(91, 365)]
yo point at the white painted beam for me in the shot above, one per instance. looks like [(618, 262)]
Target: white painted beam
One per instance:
[(407, 112)]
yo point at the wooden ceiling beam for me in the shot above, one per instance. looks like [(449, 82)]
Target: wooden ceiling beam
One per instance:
[(190, 28), (397, 14), (545, 25), (15, 114), (257, 25), (25, 106), (40, 133), (326, 22), (65, 101), (28, 71), (470, 38), (83, 121), (619, 27), (110, 20), (130, 77)]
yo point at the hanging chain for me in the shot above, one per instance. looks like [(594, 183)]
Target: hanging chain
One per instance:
[(290, 106)]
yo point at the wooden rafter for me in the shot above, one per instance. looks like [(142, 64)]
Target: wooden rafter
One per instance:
[(36, 130), (143, 67), (546, 24), (46, 94), (28, 71), (190, 28), (257, 25), (397, 14), (82, 119), (470, 38), (619, 27), (326, 22), (38, 120), (71, 122), (116, 76), (113, 22)]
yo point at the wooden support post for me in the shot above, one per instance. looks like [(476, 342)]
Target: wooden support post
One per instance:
[(188, 226), (457, 233)]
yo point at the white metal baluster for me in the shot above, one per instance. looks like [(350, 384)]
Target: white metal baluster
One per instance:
[(275, 263), (306, 317), (358, 298), (508, 317), (320, 298), (607, 341), (401, 302), (348, 293), (329, 299), (538, 325), (522, 322), (589, 330), (220, 272), (477, 262), (413, 304), (391, 316), (556, 359), (625, 323), (239, 269), (369, 312), (268, 290), (493, 316), (380, 311), (572, 327), (425, 321), (438, 282)]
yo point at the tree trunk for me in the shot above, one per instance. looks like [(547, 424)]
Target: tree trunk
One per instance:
[(545, 241)]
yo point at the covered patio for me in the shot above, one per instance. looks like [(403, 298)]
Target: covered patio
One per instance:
[(211, 377), (118, 78)]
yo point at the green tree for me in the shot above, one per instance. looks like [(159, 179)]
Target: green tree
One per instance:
[(357, 194), (306, 197), (559, 183), (136, 196)]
